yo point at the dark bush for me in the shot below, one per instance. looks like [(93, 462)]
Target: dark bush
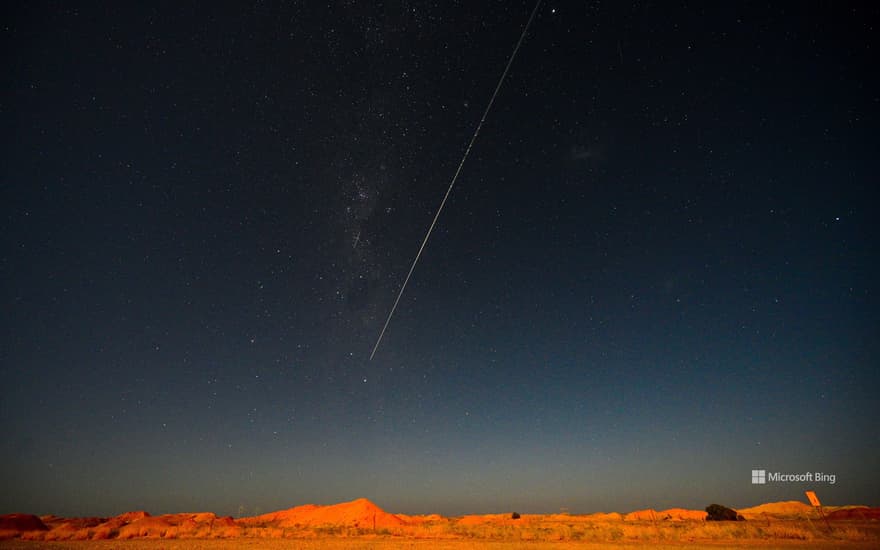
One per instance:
[(514, 516), (717, 512)]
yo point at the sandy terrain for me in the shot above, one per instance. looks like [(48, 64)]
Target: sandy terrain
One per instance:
[(345, 544), (362, 524)]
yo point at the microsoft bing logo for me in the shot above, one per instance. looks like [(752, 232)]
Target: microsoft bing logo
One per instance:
[(759, 477), (762, 477)]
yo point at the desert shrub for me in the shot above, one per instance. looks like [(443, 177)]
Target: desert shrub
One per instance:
[(717, 512), (789, 530), (514, 515)]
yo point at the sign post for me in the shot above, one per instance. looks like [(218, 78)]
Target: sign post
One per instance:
[(814, 500)]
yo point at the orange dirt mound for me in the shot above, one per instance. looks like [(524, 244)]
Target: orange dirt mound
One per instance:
[(601, 516), (641, 515), (861, 512), (145, 527), (785, 509), (681, 514), (75, 523), (413, 520), (126, 518), (70, 528), (14, 525), (358, 513)]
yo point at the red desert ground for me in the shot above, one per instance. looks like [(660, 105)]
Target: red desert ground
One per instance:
[(791, 523)]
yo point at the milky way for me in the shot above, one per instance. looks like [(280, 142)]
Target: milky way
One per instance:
[(656, 273)]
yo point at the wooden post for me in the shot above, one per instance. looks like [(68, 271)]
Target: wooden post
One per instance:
[(814, 500)]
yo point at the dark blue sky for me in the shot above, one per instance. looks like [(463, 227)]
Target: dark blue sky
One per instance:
[(657, 270)]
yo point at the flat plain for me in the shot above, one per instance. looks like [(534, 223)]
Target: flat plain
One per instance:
[(361, 524), (418, 544)]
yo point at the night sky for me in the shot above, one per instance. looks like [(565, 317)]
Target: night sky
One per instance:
[(657, 270)]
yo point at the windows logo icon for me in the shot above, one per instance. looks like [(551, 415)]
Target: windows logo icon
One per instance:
[(759, 477)]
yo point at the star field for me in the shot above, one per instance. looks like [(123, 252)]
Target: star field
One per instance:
[(657, 270)]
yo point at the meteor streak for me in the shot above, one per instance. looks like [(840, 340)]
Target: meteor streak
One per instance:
[(455, 176)]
